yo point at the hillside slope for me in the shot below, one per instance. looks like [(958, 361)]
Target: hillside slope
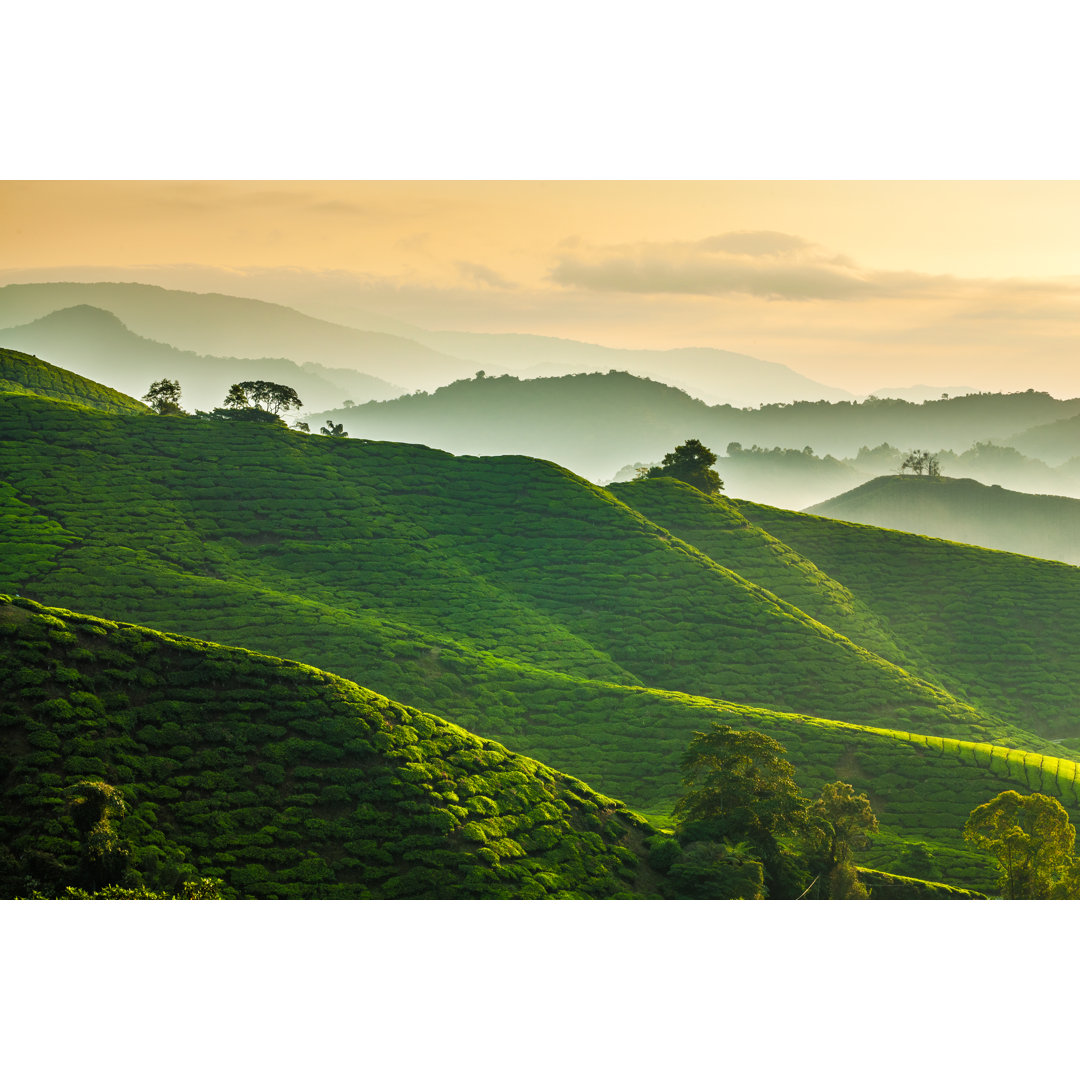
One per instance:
[(22, 373), (999, 629), (513, 598), (965, 511), (280, 779), (286, 781), (205, 527)]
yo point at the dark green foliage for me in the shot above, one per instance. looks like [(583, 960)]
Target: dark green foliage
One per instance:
[(691, 462), (260, 394), (164, 397), (369, 798)]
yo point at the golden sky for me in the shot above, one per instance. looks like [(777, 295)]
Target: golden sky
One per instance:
[(859, 284)]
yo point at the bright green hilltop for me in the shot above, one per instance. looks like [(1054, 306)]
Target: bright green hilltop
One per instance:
[(593, 630)]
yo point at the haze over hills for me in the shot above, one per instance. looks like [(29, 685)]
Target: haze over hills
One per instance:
[(95, 343), (963, 510), (231, 326), (420, 359), (714, 375), (599, 424), (568, 623)]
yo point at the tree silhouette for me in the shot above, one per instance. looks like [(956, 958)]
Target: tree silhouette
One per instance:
[(256, 394), (920, 461), (164, 397), (692, 464)]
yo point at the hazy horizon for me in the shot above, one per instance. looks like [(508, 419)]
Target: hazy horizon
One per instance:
[(856, 284)]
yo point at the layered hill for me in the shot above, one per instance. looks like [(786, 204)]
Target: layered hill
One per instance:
[(596, 424), (282, 780), (513, 598), (218, 325), (1056, 442), (96, 343), (963, 510), (22, 373)]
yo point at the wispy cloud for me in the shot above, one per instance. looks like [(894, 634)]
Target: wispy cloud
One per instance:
[(770, 265), (484, 275)]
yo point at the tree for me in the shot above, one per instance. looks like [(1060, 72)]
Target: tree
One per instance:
[(1032, 840), (257, 394), (692, 464), (95, 808), (920, 461), (337, 431), (740, 787), (164, 397), (841, 824)]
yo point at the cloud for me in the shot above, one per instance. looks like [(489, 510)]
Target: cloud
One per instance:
[(484, 275), (762, 242), (710, 268), (769, 265)]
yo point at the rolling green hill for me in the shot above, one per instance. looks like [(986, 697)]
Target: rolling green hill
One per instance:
[(281, 780), (22, 373), (997, 629), (1045, 526), (594, 630)]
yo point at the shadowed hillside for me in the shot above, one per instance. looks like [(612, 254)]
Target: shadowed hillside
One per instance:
[(282, 780), (1045, 526)]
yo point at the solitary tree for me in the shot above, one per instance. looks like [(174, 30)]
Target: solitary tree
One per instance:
[(336, 430), (257, 394), (841, 824), (920, 461), (164, 397), (692, 464), (1032, 840), (740, 787)]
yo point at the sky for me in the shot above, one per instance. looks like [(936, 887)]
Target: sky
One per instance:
[(856, 283)]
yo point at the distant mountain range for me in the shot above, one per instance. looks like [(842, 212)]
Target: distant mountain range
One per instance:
[(96, 344), (789, 455), (218, 325), (965, 511)]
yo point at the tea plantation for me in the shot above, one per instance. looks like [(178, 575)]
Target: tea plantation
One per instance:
[(592, 629), (22, 373), (279, 779)]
